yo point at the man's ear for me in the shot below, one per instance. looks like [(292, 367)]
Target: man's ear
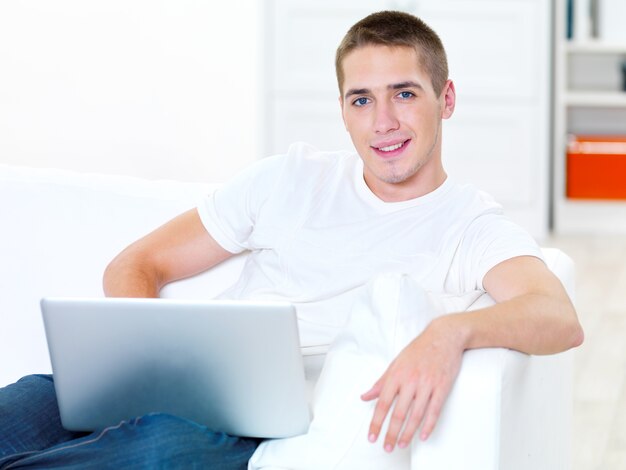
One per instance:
[(448, 98)]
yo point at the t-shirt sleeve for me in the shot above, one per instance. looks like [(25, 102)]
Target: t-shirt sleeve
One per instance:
[(229, 214), (490, 240)]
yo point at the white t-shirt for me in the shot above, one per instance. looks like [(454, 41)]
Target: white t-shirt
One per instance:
[(316, 233)]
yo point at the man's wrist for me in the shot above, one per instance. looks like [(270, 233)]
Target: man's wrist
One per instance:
[(456, 327)]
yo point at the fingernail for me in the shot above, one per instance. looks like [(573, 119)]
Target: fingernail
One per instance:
[(401, 444), (372, 437), (388, 447)]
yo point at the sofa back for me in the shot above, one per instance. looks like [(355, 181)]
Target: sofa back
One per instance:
[(59, 231)]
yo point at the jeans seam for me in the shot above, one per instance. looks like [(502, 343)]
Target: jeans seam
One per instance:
[(70, 446)]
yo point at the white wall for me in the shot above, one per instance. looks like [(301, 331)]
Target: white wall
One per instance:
[(160, 89)]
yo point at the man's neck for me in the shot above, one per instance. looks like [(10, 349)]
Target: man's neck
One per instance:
[(420, 184)]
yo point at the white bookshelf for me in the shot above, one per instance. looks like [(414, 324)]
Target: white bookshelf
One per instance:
[(604, 99), (594, 47), (587, 99)]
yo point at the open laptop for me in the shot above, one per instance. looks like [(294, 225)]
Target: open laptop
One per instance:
[(232, 366)]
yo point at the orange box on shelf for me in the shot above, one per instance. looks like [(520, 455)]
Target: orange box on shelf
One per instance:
[(596, 167)]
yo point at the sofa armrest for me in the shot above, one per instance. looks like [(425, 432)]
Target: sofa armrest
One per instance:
[(506, 411)]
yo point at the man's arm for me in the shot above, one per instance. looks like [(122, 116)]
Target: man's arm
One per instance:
[(533, 314), (180, 248)]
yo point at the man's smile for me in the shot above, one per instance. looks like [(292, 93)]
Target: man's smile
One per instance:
[(390, 149)]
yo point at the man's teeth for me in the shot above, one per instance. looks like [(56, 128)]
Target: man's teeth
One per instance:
[(391, 147)]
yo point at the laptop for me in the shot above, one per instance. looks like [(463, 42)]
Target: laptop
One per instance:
[(233, 366)]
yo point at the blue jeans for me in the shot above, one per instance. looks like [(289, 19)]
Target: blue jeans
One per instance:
[(31, 436)]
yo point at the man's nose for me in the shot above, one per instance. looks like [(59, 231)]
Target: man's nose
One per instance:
[(385, 119)]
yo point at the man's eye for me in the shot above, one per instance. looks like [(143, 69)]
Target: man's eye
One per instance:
[(360, 101), (405, 95)]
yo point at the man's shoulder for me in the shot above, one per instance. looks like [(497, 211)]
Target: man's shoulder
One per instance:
[(468, 199)]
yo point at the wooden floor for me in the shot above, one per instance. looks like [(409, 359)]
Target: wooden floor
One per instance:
[(600, 363)]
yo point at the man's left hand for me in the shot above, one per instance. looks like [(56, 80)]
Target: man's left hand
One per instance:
[(416, 384)]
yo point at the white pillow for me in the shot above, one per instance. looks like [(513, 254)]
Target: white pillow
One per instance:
[(389, 312)]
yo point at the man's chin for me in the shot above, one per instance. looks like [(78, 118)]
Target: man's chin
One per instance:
[(393, 178), (397, 175)]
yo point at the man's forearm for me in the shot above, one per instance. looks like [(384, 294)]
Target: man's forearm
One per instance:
[(533, 312), (531, 323)]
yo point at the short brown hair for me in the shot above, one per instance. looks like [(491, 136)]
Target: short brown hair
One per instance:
[(395, 28)]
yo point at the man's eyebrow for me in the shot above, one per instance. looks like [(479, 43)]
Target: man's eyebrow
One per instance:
[(357, 91), (407, 84)]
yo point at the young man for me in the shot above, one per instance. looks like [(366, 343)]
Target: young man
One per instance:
[(319, 225)]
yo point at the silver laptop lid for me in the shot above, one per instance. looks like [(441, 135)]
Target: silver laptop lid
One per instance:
[(232, 366)]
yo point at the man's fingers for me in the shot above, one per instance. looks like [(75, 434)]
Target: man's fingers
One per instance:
[(432, 415), (396, 421), (385, 400), (373, 392), (413, 421)]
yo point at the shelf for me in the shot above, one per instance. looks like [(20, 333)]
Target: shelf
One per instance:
[(608, 99), (595, 47), (583, 216), (588, 100)]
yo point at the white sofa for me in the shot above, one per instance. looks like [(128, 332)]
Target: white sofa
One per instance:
[(507, 410)]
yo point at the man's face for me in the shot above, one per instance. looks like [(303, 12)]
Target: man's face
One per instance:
[(394, 119)]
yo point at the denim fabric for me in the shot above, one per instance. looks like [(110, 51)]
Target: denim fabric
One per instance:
[(31, 436)]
